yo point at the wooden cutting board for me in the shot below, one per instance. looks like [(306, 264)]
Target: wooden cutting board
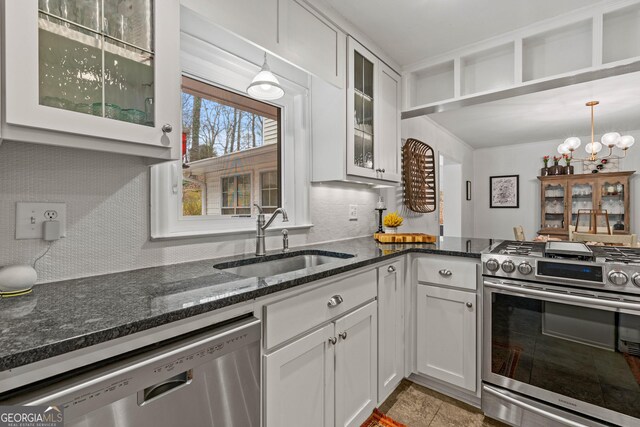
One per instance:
[(404, 238)]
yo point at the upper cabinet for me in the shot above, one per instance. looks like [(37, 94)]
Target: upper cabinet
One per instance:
[(371, 122), (102, 75), (290, 29), (311, 42), (373, 134)]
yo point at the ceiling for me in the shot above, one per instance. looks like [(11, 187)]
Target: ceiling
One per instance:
[(547, 115), (412, 30)]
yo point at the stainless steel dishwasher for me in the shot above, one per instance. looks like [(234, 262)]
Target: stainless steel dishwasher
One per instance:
[(207, 378)]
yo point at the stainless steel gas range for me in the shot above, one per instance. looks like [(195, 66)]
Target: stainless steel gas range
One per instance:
[(561, 334)]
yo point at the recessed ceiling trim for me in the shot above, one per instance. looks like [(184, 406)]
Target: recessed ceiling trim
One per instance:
[(523, 90)]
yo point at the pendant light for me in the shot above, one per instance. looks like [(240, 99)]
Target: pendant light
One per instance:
[(265, 85), (610, 140)]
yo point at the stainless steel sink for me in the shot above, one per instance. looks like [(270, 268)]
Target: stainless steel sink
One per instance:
[(268, 266)]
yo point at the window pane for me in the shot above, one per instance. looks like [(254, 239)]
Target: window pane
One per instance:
[(230, 140)]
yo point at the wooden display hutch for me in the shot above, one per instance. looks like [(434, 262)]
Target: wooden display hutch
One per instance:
[(561, 196)]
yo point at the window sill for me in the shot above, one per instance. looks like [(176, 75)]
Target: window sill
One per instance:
[(252, 230)]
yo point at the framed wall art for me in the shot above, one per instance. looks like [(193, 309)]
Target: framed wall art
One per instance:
[(505, 191)]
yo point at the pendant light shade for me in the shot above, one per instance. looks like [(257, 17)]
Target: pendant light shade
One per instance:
[(265, 85)]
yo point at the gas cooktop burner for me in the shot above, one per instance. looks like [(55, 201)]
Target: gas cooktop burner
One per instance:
[(519, 248), (617, 254)]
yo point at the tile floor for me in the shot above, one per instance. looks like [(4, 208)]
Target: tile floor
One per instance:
[(417, 406)]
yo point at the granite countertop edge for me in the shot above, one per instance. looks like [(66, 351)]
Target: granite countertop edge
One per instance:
[(47, 350)]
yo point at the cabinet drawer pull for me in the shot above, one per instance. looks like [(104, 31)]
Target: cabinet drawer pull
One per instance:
[(445, 272), (333, 340), (391, 269), (334, 301)]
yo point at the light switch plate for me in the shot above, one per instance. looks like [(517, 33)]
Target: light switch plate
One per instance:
[(353, 212), (31, 216)]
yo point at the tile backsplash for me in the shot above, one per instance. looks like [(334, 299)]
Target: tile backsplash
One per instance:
[(107, 197)]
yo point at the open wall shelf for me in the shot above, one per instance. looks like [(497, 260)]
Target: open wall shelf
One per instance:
[(621, 34), (590, 39)]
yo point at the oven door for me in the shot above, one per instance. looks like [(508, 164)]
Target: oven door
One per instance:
[(573, 348)]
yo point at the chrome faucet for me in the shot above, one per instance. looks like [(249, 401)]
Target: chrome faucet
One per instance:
[(261, 227)]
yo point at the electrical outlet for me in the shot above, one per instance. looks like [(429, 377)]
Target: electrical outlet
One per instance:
[(353, 212), (31, 216)]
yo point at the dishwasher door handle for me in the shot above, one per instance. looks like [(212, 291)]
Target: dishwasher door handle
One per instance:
[(161, 389)]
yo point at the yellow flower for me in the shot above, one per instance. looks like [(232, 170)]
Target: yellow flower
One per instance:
[(393, 220)]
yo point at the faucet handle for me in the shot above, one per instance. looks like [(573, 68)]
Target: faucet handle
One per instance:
[(259, 208)]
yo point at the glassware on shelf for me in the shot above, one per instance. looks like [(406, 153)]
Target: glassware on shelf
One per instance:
[(83, 107), (111, 111), (132, 115)]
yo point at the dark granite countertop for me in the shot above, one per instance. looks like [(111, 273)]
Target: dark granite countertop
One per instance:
[(63, 316)]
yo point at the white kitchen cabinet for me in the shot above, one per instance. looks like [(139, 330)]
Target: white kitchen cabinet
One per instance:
[(290, 29), (299, 382), (253, 20), (335, 365), (96, 78), (446, 335), (389, 104), (370, 125), (311, 42), (390, 328), (356, 366)]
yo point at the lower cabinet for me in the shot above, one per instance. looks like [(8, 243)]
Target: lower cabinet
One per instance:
[(326, 378), (446, 335), (390, 328)]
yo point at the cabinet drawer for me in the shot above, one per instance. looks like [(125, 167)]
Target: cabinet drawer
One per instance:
[(292, 316), (449, 271)]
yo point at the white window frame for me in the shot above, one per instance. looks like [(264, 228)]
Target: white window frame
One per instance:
[(260, 184), (235, 197), (211, 64)]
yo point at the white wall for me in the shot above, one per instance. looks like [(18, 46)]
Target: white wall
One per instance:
[(451, 186), (107, 198), (526, 160), (443, 142)]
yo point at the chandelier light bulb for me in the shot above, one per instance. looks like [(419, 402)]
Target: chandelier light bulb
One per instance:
[(625, 142), (563, 149), (572, 143), (593, 147), (610, 139)]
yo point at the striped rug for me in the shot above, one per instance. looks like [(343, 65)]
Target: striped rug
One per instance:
[(378, 419)]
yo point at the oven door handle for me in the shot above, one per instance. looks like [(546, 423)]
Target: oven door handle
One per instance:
[(566, 297), (528, 407)]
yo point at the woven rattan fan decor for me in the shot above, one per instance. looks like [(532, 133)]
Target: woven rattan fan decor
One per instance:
[(418, 176)]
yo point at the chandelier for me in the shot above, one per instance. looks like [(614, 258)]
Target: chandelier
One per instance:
[(610, 140)]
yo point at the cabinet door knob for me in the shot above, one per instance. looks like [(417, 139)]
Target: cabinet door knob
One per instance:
[(334, 301), (445, 272), (469, 305), (391, 269), (167, 128), (382, 170), (343, 335), (333, 340)]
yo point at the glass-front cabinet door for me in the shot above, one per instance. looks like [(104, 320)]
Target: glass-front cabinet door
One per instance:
[(583, 196), (95, 67), (361, 106), (554, 199), (613, 201)]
